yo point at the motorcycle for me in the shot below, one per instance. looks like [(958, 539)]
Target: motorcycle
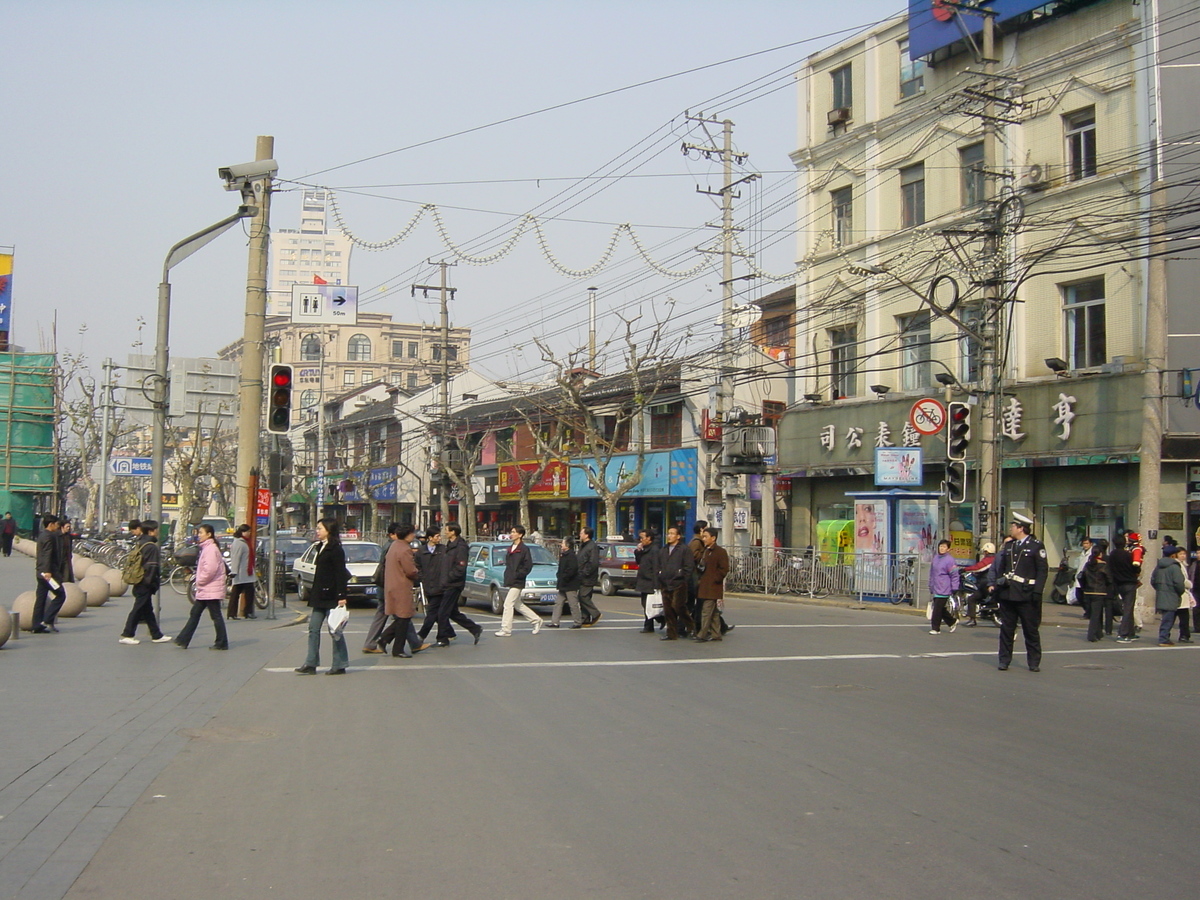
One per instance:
[(975, 588)]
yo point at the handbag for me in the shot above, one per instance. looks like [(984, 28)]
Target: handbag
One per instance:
[(654, 604), (336, 620)]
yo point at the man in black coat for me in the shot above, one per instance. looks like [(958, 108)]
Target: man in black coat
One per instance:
[(49, 577), (646, 553), (676, 565), (453, 572), (589, 573), (567, 582), (1018, 582), (431, 560)]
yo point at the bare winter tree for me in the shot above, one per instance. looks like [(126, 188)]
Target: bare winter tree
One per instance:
[(199, 447)]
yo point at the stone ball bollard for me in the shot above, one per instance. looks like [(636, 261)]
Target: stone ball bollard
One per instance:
[(96, 568), (116, 584), (26, 546), (75, 603), (5, 626), (95, 590), (80, 565), (23, 606)]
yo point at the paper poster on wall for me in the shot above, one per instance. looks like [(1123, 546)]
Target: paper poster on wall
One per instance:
[(871, 545), (918, 532)]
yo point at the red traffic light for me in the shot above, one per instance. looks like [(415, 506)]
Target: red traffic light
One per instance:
[(282, 376)]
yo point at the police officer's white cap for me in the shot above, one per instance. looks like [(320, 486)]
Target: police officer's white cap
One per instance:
[(1022, 520)]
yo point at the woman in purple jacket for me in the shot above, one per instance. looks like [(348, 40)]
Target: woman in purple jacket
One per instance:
[(209, 590), (943, 581)]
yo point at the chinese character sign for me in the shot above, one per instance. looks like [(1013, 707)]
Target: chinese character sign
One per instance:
[(1063, 414)]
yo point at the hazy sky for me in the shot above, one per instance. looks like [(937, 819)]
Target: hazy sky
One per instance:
[(118, 115)]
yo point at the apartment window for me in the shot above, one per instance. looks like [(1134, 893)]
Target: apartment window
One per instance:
[(912, 196), (971, 315), (397, 349), (970, 162), (777, 331), (912, 73), (368, 376), (359, 348), (308, 399), (843, 361), (412, 350), (914, 351), (310, 348), (412, 381), (452, 353), (1081, 143), (1087, 343), (843, 87), (348, 376), (773, 411), (843, 215), (666, 426)]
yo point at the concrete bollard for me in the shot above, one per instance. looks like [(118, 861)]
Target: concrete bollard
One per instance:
[(95, 590), (23, 607), (116, 584), (7, 625), (75, 602)]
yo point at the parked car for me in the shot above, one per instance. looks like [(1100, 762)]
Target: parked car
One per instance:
[(287, 551), (362, 558), (485, 576), (618, 568)]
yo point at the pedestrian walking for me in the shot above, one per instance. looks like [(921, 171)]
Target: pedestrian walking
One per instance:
[(455, 574), (400, 577), (714, 566), (518, 563), (1194, 578), (208, 590), (328, 591), (241, 567), (567, 583), (431, 561), (1017, 581), (1125, 567), (8, 531), (1171, 585), (589, 573), (646, 554), (50, 593), (944, 579), (674, 577), (146, 546), (1096, 591)]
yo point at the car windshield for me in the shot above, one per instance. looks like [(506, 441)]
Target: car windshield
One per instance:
[(623, 551), (291, 547), (360, 553), (541, 556)]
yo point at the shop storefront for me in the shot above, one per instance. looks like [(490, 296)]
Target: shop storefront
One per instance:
[(665, 496)]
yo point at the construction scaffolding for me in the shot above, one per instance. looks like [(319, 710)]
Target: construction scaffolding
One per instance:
[(27, 412)]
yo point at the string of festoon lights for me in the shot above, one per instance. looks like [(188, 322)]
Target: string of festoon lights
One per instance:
[(524, 224)]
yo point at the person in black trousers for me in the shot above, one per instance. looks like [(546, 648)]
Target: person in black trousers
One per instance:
[(455, 574), (567, 583), (144, 591), (646, 553), (50, 592), (676, 566), (588, 555), (431, 561), (1096, 585), (1018, 583)]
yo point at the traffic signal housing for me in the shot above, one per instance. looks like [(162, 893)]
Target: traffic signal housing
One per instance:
[(956, 482), (279, 400), (958, 430)]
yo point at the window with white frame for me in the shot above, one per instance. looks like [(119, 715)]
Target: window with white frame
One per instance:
[(843, 87), (912, 195), (843, 361), (912, 73), (971, 315), (970, 161), (348, 376), (915, 351), (842, 201), (359, 348), (1086, 330), (1080, 130), (310, 348)]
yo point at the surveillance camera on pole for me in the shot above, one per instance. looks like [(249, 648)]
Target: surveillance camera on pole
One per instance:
[(248, 177)]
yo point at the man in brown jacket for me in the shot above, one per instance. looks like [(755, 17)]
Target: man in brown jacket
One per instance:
[(713, 566), (400, 574)]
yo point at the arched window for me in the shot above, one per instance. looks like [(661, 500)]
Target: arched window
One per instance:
[(308, 399), (359, 348), (310, 348)]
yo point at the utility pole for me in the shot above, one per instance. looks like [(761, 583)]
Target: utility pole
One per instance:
[(725, 153), (445, 293), (105, 442), (591, 329), (1153, 426), (250, 393)]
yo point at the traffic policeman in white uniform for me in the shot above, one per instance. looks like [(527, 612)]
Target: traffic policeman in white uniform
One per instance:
[(1018, 582)]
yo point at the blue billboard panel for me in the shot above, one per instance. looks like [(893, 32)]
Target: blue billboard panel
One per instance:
[(667, 473), (934, 24)]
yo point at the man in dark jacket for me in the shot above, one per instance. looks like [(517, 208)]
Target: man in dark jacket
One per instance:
[(50, 592), (431, 560), (646, 553), (455, 573), (518, 563), (568, 586), (1018, 585), (143, 592), (8, 531), (1126, 571), (675, 569), (589, 572), (713, 566)]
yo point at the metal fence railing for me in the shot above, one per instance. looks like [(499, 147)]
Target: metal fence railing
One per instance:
[(894, 577)]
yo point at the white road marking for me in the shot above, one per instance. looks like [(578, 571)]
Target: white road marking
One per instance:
[(606, 663)]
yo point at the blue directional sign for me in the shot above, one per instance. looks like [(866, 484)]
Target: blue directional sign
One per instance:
[(130, 465)]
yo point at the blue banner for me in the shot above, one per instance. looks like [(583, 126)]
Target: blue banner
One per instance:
[(666, 473), (934, 24)]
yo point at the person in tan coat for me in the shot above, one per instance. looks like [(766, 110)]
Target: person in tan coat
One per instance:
[(714, 566), (400, 575)]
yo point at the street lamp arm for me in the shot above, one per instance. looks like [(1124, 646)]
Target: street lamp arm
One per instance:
[(190, 245)]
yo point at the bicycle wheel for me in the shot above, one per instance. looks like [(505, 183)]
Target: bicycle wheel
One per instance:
[(261, 600), (178, 580)]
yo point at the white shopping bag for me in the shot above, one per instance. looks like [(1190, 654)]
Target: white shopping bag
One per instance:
[(337, 619), (654, 604)]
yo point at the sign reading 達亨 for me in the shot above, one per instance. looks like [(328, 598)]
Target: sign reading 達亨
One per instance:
[(927, 415)]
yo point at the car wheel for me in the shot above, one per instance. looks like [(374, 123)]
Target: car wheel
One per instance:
[(497, 601), (607, 588)]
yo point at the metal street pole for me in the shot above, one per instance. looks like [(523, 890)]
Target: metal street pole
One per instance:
[(105, 444)]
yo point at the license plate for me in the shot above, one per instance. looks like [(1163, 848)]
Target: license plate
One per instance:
[(371, 591), (549, 598)]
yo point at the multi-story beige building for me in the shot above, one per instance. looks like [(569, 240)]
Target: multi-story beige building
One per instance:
[(1035, 231)]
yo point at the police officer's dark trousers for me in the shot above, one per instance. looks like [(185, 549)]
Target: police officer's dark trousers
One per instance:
[(1027, 612)]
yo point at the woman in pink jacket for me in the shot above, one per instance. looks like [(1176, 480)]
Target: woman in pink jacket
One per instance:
[(209, 590)]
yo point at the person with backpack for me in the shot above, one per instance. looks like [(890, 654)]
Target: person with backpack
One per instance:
[(141, 571), (209, 590)]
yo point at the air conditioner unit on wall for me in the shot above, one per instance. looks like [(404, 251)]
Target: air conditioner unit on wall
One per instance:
[(1036, 177), (838, 115)]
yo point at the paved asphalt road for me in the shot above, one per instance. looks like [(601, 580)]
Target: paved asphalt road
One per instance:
[(817, 752)]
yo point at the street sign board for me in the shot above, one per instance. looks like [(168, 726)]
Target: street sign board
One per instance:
[(130, 465), (927, 415), (899, 467), (324, 304)]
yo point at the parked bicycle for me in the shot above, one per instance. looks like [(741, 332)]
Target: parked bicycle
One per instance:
[(904, 581)]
